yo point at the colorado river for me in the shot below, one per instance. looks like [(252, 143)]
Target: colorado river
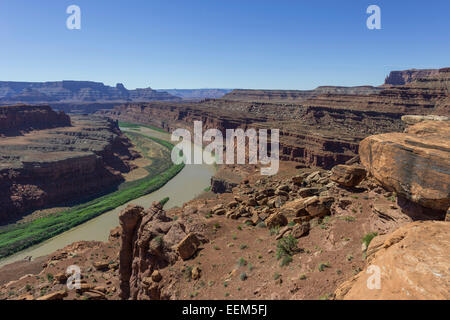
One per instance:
[(190, 182)]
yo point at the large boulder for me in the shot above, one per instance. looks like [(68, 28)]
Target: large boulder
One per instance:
[(188, 246), (347, 175), (415, 164), (412, 263), (276, 220)]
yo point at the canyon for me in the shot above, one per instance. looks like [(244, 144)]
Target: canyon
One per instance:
[(364, 181), (53, 159), (321, 127), (301, 234)]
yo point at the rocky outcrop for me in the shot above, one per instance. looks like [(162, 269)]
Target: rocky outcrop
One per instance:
[(48, 167), (150, 241), (412, 263), (413, 119), (398, 78), (221, 185), (129, 220), (347, 176), (414, 164), (224, 180), (23, 118)]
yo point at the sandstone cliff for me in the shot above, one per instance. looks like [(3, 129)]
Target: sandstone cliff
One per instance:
[(413, 263), (47, 167), (414, 164), (22, 118), (321, 127), (316, 136), (150, 241), (406, 76)]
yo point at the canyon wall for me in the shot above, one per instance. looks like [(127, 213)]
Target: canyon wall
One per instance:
[(79, 91), (21, 118), (406, 76), (54, 166), (313, 136), (321, 127), (295, 95)]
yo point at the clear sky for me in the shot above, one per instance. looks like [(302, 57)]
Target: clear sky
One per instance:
[(277, 44)]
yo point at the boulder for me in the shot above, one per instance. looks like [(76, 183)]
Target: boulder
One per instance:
[(297, 180), (26, 297), (156, 276), (188, 246), (61, 277), (217, 208), (347, 175), (276, 202), (300, 230), (58, 295), (414, 164), (220, 212), (233, 204), (195, 273), (255, 218), (295, 207), (94, 295), (308, 192), (276, 220), (101, 265), (313, 177), (315, 207), (412, 263)]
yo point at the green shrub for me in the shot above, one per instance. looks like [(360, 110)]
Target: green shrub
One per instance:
[(50, 277), (164, 201), (16, 237), (323, 265), (242, 262), (275, 230), (286, 247), (368, 238)]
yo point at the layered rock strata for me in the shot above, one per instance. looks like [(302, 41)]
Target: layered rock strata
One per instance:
[(409, 263), (52, 166), (414, 164), (21, 118)]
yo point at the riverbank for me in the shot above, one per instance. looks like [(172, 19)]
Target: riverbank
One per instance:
[(196, 177), (17, 237)]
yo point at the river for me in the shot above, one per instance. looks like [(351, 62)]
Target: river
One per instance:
[(190, 182)]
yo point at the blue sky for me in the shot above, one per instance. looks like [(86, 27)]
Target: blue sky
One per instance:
[(276, 44)]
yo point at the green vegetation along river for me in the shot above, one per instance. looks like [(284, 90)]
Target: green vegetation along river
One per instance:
[(94, 220)]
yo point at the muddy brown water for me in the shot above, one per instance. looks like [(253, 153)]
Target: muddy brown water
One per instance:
[(185, 186)]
